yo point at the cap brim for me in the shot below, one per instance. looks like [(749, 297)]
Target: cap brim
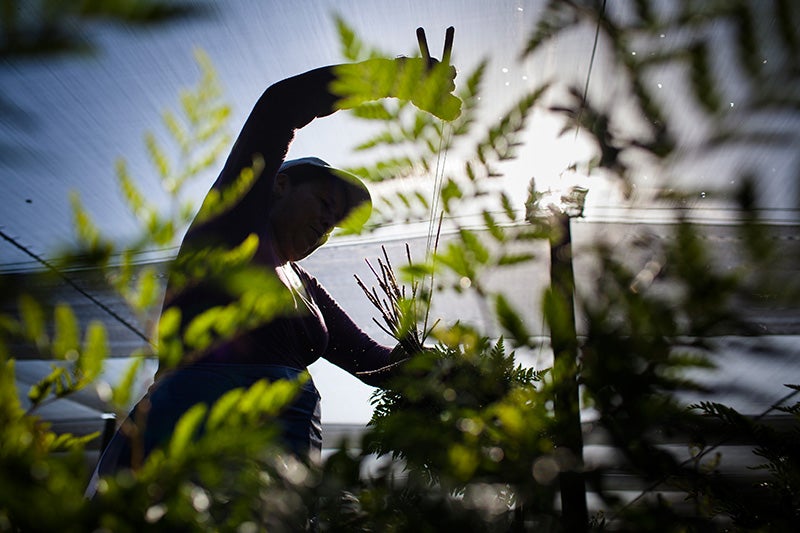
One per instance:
[(357, 200)]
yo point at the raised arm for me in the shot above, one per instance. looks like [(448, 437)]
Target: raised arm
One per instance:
[(291, 104), (283, 108)]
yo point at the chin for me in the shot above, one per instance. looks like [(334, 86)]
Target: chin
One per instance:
[(308, 252)]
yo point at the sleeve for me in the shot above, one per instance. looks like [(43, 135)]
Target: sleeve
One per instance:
[(283, 108), (291, 104), (349, 347)]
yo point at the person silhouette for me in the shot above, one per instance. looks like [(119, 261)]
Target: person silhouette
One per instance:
[(290, 207)]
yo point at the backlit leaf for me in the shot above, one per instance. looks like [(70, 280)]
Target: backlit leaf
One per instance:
[(512, 323), (186, 430), (66, 337)]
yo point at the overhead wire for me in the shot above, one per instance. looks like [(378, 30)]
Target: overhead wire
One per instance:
[(69, 281)]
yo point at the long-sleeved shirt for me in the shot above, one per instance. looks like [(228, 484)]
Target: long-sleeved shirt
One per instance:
[(320, 327)]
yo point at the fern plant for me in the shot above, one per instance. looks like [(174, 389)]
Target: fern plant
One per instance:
[(648, 327), (459, 394)]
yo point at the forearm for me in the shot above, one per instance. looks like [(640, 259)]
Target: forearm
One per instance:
[(283, 108), (381, 376), (292, 103)]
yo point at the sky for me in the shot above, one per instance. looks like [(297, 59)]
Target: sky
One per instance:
[(68, 119), (78, 114), (73, 116)]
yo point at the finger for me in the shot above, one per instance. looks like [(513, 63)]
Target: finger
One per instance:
[(448, 44), (423, 45)]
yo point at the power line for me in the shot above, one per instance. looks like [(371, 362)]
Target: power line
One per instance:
[(113, 314), (589, 72)]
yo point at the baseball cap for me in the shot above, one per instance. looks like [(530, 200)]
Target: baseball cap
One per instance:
[(357, 198)]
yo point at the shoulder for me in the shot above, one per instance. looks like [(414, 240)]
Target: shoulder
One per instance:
[(315, 289), (311, 283)]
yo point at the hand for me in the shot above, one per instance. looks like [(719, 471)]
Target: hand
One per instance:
[(429, 85), (398, 354), (429, 88)]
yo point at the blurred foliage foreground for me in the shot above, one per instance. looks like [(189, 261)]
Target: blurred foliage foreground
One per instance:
[(481, 442)]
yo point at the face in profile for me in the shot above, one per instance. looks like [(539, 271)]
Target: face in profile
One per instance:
[(303, 215)]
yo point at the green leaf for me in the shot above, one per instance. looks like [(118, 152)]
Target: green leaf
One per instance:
[(170, 343), (95, 350), (177, 131), (469, 169), (169, 323), (474, 246), (407, 79), (511, 322), (494, 229), (122, 392), (385, 138), (40, 391), (67, 333), (266, 398), (133, 196), (418, 270), (450, 191), (750, 54), (278, 395), (703, 83), (56, 382), (422, 199), (644, 11), (33, 320), (148, 290), (454, 257), (85, 230), (502, 139), (219, 201), (189, 105), (223, 408), (66, 442), (463, 460), (403, 198), (64, 383), (508, 207), (557, 315), (375, 111), (515, 259), (157, 156), (356, 221), (201, 331), (186, 430), (351, 45), (555, 20), (785, 16), (10, 405)]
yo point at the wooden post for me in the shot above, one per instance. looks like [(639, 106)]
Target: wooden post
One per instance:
[(566, 400)]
